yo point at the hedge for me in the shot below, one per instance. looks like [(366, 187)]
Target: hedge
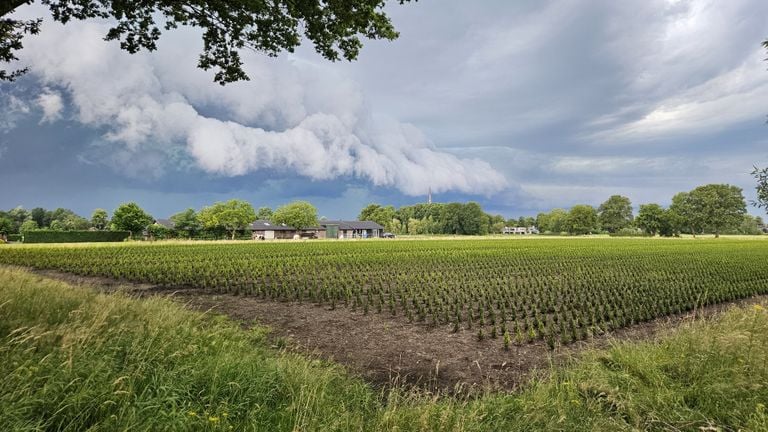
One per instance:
[(14, 237), (47, 236)]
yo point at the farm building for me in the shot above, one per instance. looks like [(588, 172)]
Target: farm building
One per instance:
[(520, 230), (327, 229), (352, 229), (166, 223), (265, 230)]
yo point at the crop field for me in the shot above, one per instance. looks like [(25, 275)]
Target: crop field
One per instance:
[(73, 358), (512, 292)]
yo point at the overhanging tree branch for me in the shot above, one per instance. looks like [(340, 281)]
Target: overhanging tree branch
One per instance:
[(8, 6), (335, 27)]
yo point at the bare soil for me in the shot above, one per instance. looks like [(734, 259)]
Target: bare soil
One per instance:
[(387, 350)]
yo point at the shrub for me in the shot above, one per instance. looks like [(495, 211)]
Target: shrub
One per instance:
[(47, 236), (159, 232)]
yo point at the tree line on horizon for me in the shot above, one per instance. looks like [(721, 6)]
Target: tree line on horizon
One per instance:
[(714, 208), (709, 209), (216, 221)]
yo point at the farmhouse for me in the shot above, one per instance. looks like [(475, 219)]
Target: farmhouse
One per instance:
[(266, 230), (166, 223), (520, 230), (352, 229)]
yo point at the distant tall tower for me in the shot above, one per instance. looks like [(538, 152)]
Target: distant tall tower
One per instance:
[(429, 196)]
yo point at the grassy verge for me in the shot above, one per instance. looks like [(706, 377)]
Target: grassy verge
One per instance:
[(73, 359)]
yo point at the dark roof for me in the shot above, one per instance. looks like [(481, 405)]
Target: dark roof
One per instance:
[(166, 223), (353, 225), (264, 225)]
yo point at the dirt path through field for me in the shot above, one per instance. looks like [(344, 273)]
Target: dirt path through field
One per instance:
[(384, 349)]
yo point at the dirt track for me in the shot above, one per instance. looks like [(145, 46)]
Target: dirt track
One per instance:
[(384, 349)]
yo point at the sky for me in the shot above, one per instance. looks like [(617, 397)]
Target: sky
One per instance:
[(521, 106)]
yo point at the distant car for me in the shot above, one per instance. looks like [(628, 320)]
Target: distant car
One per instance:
[(388, 235)]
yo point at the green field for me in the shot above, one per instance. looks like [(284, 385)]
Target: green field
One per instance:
[(72, 359), (519, 291)]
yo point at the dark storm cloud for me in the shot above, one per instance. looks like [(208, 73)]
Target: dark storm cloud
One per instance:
[(569, 102)]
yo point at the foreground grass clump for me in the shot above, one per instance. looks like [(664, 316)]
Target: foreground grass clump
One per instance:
[(73, 359)]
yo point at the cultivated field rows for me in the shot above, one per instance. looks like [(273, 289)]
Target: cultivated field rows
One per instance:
[(558, 290)]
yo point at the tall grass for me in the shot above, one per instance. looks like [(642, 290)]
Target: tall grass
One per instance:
[(72, 359)]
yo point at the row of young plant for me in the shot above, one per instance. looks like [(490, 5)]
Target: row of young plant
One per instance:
[(559, 290)]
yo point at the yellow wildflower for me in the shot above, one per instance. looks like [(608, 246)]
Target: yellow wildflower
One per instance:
[(213, 419), (758, 307)]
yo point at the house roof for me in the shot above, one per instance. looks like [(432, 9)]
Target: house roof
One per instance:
[(166, 223), (353, 225), (264, 225)]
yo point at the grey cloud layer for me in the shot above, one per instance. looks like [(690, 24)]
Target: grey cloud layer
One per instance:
[(565, 102), (574, 100), (293, 117)]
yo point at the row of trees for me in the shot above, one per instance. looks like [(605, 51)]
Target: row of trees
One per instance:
[(127, 217), (614, 215), (19, 219), (713, 208), (236, 215), (435, 218), (222, 217)]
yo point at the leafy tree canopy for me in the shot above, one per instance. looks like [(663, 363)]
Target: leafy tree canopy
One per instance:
[(130, 217), (761, 175), (684, 213), (28, 225), (473, 220), (298, 214), (38, 215), (582, 219), (382, 215), (750, 225), (66, 219), (18, 215), (6, 225), (100, 219), (264, 213), (650, 218), (615, 213), (496, 224), (61, 218), (187, 221), (335, 27), (554, 221), (522, 221), (718, 206), (451, 218), (232, 215)]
